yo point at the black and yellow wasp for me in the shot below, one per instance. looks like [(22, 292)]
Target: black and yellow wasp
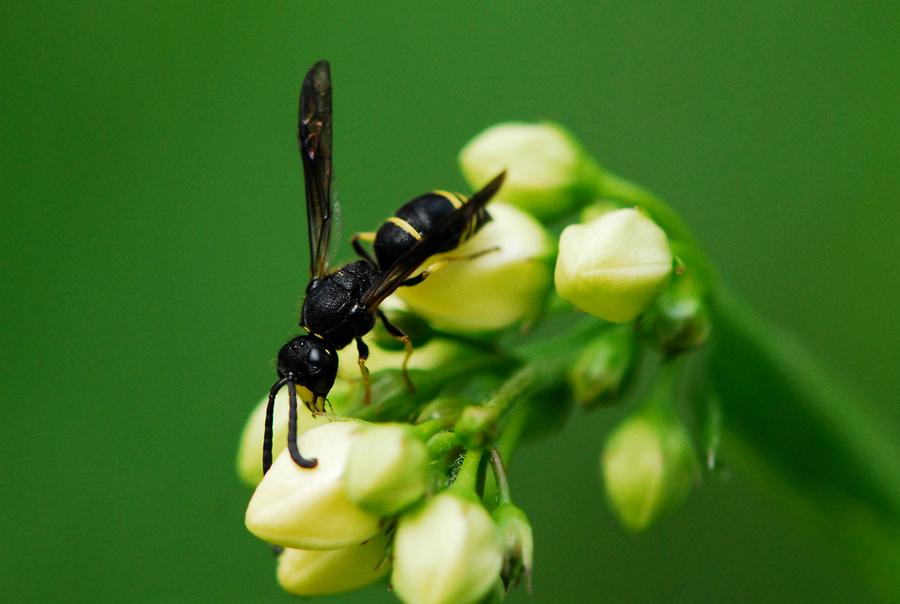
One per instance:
[(342, 305)]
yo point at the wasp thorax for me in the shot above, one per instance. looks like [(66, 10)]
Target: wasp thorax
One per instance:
[(310, 363)]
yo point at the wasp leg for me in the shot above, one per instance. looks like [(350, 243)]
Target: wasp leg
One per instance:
[(359, 249), (292, 430), (363, 351), (433, 268), (407, 345), (267, 435)]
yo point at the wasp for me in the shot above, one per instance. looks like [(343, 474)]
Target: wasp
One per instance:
[(341, 305)]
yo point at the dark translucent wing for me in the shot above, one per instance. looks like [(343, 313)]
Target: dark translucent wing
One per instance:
[(429, 245), (314, 136)]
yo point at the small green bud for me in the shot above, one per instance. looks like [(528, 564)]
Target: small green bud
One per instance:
[(307, 508), (477, 425), (322, 572), (249, 458), (447, 551), (679, 320), (649, 467), (614, 266), (518, 540), (548, 173), (387, 470), (604, 368), (444, 408), (442, 444), (511, 277)]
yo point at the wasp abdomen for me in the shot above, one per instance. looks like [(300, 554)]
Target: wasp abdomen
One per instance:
[(415, 218)]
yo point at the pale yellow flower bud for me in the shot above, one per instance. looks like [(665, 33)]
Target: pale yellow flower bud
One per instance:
[(548, 173), (649, 466), (307, 508), (387, 470), (434, 353), (448, 551), (614, 266), (495, 290), (249, 459), (321, 572)]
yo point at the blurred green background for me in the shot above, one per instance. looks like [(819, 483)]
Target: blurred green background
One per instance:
[(154, 253)]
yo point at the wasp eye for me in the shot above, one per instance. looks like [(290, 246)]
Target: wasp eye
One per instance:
[(315, 358)]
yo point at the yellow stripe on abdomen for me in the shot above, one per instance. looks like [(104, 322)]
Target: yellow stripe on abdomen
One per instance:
[(453, 198), (399, 222)]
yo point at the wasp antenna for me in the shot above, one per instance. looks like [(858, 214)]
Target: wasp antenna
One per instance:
[(270, 412), (292, 429)]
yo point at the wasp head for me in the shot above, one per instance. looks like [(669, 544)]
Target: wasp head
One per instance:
[(310, 363)]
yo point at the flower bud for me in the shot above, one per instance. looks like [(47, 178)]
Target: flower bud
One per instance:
[(494, 290), (477, 425), (548, 172), (596, 209), (307, 508), (649, 466), (448, 551), (614, 266), (603, 370), (249, 459), (679, 320), (387, 470), (434, 353), (306, 572), (515, 530), (443, 408)]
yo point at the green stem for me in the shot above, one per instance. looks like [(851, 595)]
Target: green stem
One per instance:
[(512, 430), (467, 476), (442, 443), (663, 398), (787, 420), (500, 476), (546, 365), (617, 188), (429, 428)]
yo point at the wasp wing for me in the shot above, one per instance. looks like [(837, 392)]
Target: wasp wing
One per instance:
[(314, 137), (429, 245)]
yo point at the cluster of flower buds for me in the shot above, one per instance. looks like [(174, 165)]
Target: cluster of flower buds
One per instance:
[(413, 486), (375, 504)]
